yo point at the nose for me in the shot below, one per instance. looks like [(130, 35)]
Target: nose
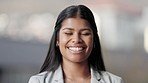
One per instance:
[(76, 38)]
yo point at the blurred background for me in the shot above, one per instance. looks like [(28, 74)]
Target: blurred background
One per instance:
[(26, 27)]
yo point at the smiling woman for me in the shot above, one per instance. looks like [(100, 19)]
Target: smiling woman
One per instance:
[(74, 54), (76, 42)]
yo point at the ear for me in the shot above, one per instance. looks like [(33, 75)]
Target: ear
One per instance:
[(57, 43)]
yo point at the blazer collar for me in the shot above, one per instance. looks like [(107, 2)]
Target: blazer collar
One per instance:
[(58, 75), (95, 76)]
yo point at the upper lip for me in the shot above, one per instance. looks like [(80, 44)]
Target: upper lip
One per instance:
[(83, 46)]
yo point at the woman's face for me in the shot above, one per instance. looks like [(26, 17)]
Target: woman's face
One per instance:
[(75, 40)]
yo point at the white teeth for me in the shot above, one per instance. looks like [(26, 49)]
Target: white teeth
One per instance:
[(76, 48)]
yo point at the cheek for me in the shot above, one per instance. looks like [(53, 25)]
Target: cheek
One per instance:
[(90, 44), (62, 40), (89, 41)]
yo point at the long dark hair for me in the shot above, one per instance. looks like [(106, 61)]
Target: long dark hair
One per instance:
[(54, 57)]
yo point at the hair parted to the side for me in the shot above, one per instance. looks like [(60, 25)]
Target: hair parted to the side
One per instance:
[(54, 57)]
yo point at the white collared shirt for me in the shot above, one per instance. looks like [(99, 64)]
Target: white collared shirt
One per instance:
[(57, 77)]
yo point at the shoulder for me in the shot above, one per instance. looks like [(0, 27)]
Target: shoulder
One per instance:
[(104, 77), (107, 76), (39, 78), (48, 77)]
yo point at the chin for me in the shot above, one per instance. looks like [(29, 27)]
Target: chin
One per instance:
[(79, 61)]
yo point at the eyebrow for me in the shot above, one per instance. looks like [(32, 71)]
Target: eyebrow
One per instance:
[(73, 29), (68, 29)]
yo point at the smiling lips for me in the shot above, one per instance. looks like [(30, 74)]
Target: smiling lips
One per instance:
[(76, 50)]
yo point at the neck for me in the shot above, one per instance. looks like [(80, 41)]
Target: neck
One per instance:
[(76, 70)]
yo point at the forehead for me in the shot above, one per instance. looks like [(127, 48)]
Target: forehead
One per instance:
[(75, 23)]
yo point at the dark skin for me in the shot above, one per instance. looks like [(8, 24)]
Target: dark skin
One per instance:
[(75, 43)]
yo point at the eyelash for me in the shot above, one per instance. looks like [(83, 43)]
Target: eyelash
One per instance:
[(68, 33), (86, 34)]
